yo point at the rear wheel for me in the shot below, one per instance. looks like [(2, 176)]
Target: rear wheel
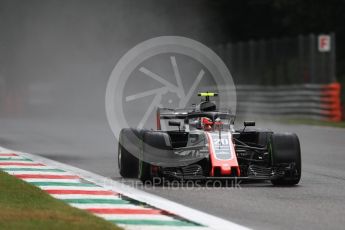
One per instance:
[(255, 136), (263, 137), (286, 158)]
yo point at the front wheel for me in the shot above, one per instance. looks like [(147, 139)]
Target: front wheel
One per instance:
[(127, 162), (285, 152), (157, 147), (144, 171)]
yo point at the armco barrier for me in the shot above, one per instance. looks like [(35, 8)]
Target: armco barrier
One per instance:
[(303, 101)]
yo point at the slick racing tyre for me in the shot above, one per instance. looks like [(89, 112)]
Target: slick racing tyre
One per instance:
[(127, 161), (285, 152), (144, 171)]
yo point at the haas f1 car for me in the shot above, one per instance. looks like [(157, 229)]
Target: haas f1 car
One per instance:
[(202, 143)]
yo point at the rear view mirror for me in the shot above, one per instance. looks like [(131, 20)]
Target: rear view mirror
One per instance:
[(249, 123)]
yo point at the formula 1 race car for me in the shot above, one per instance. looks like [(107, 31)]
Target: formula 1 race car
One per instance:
[(205, 145)]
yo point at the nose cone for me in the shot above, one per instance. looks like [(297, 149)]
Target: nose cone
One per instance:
[(225, 169)]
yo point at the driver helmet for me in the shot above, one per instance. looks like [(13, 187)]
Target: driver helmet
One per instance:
[(206, 123)]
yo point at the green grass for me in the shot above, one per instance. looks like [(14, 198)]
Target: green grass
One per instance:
[(24, 206), (340, 124)]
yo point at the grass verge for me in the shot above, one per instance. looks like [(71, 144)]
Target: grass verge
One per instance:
[(24, 206)]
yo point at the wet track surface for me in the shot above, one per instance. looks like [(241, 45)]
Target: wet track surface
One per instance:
[(317, 203)]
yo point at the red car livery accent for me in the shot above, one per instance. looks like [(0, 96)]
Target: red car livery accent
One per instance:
[(222, 155)]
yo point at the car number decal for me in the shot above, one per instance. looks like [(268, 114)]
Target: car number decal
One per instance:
[(221, 146)]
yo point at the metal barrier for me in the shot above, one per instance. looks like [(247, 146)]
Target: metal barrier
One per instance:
[(313, 101)]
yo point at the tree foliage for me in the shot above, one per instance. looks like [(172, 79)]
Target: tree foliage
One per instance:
[(263, 19)]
